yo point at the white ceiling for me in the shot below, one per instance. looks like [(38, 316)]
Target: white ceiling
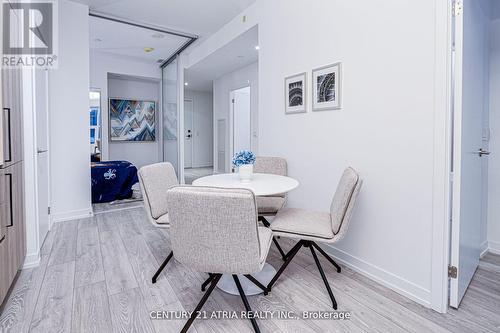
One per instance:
[(201, 17), (108, 36), (238, 53)]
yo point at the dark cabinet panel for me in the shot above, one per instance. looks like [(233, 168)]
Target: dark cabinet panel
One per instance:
[(12, 116), (3, 210), (12, 224)]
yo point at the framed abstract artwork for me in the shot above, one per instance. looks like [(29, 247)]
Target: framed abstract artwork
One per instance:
[(326, 90), (132, 120), (295, 93)]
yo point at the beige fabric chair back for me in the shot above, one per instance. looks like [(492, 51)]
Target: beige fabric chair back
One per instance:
[(214, 230), (344, 200), (272, 165), (155, 180)]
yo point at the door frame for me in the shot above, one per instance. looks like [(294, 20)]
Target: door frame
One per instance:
[(443, 148), (49, 175), (457, 84), (189, 99)]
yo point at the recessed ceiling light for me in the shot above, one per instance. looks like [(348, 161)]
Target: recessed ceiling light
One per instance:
[(148, 49), (158, 35), (97, 40), (185, 83), (257, 47)]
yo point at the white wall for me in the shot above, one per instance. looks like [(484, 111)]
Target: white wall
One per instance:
[(101, 64), (69, 116), (246, 76), (137, 153), (203, 135), (494, 158), (392, 127)]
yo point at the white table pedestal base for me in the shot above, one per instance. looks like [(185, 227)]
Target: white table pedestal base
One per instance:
[(265, 276)]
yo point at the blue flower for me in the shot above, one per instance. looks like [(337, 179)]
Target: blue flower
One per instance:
[(243, 157)]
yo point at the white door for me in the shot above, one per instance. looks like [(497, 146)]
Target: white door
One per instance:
[(41, 110), (241, 120), (469, 105), (188, 133)]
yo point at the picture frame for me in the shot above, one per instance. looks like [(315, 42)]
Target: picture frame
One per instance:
[(296, 93), (327, 87), (132, 120)]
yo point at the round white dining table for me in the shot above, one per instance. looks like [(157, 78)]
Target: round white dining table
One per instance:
[(262, 184)]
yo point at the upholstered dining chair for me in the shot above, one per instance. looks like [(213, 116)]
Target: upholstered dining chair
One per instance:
[(270, 205), (215, 230), (155, 180), (310, 227)]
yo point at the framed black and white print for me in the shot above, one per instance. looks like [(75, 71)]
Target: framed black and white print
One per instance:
[(327, 83), (295, 93)]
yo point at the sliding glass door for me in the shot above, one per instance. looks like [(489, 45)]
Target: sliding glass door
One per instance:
[(170, 115)]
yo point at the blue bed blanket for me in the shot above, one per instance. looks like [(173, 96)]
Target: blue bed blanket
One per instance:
[(112, 180)]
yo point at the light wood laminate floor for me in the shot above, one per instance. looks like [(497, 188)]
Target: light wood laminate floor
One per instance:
[(95, 276)]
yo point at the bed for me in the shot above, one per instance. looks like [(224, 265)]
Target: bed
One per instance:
[(112, 180)]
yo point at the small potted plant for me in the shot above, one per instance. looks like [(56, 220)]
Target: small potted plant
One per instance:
[(244, 160)]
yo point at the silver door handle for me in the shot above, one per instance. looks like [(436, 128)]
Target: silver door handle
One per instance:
[(482, 152)]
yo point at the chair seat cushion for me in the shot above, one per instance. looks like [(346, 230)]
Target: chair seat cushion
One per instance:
[(300, 222), (163, 220), (265, 239), (269, 205)]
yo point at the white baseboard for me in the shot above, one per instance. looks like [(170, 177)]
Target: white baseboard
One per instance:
[(494, 247), (31, 260), (71, 215), (398, 284), (484, 248)]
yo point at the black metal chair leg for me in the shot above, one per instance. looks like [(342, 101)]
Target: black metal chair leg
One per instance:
[(202, 302), (339, 269), (323, 276), (257, 283), (283, 255), (245, 302), (289, 258), (264, 221), (292, 249), (158, 272), (207, 281)]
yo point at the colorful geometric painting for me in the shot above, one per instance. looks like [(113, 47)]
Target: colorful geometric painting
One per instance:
[(132, 120)]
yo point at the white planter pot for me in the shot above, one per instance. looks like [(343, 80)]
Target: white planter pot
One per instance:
[(246, 172)]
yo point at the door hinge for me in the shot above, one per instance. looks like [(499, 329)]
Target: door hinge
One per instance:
[(458, 8), (452, 272), (232, 101), (48, 210)]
